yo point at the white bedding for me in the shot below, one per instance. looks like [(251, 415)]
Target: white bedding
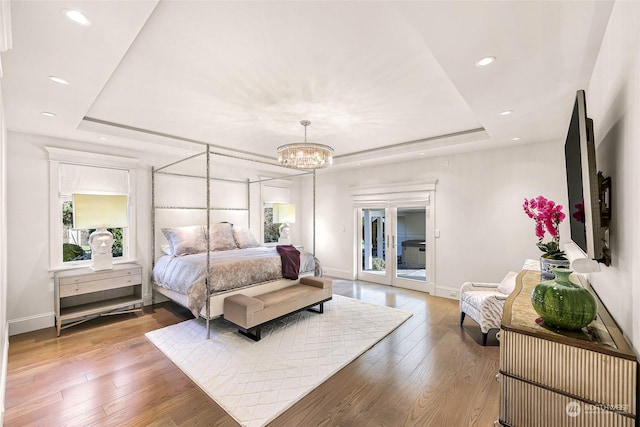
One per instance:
[(229, 270)]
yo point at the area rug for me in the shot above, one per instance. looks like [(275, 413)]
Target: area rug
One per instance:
[(257, 381)]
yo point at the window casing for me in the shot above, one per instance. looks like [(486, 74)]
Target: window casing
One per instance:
[(80, 172)]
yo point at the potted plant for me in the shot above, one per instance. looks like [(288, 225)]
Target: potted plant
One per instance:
[(548, 215)]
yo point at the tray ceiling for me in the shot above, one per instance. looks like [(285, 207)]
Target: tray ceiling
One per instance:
[(378, 80)]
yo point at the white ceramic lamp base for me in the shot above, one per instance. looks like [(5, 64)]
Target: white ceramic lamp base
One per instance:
[(285, 234), (101, 242)]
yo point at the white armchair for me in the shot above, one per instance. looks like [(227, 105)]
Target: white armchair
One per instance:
[(483, 302)]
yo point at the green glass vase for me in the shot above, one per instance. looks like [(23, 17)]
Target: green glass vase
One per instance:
[(563, 304)]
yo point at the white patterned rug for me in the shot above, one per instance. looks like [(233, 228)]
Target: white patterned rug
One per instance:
[(257, 381)]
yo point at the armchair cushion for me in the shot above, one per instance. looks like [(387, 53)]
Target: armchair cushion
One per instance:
[(508, 284)]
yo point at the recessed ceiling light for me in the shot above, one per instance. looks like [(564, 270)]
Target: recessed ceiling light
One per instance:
[(102, 138), (58, 80), (48, 114), (506, 112), (77, 17), (516, 138), (422, 154), (487, 60)]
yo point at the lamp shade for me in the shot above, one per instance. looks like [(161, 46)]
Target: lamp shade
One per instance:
[(100, 211), (284, 213)]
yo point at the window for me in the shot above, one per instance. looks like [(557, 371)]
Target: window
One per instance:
[(271, 229), (277, 192), (75, 243), (78, 172)]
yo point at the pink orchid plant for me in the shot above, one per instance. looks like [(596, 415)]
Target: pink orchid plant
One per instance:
[(548, 216)]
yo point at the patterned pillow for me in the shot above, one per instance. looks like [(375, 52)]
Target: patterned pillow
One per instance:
[(186, 240), (221, 237), (244, 238)]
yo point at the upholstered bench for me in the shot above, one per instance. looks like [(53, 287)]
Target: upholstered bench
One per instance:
[(250, 314)]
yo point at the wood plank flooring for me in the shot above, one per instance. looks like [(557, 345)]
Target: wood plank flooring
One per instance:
[(428, 372)]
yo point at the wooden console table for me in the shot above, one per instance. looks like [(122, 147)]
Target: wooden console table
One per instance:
[(83, 294), (550, 377)]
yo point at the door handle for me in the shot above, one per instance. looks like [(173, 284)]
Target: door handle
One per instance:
[(387, 241)]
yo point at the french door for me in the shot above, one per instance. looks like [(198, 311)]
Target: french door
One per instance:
[(397, 245)]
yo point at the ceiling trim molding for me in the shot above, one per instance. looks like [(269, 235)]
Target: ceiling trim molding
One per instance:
[(394, 187), (383, 194), (126, 131), (417, 145), (64, 155)]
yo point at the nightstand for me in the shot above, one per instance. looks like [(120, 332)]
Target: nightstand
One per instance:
[(83, 294)]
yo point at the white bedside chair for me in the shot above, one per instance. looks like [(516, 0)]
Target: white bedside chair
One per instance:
[(483, 302)]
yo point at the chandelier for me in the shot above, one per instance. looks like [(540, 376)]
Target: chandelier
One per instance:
[(305, 155)]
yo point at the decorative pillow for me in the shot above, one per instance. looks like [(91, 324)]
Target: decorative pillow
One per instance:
[(508, 284), (244, 238), (166, 249), (186, 240), (221, 237)]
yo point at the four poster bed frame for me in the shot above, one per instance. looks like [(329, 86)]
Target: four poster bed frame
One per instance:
[(214, 301)]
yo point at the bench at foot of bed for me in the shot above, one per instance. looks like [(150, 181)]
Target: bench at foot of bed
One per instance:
[(250, 314)]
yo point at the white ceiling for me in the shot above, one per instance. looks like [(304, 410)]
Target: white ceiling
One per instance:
[(380, 81)]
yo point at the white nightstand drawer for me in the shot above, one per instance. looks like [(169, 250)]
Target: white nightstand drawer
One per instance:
[(99, 275), (84, 287)]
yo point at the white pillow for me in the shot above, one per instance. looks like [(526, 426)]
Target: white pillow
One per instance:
[(221, 237), (508, 284), (244, 238), (186, 240)]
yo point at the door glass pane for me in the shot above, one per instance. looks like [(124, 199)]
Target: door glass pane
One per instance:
[(373, 241), (411, 249)]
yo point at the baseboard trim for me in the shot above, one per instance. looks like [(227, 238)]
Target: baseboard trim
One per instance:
[(447, 292), (31, 323), (340, 274), (3, 372)]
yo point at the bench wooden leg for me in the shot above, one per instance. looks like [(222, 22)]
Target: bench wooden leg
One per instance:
[(319, 310), (254, 333)]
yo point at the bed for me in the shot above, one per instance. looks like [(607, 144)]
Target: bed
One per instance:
[(201, 248)]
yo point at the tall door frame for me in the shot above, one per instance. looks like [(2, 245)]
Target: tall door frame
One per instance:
[(365, 215), (389, 239), (428, 284), (389, 197)]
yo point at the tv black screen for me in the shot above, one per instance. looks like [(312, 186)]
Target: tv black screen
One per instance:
[(582, 182)]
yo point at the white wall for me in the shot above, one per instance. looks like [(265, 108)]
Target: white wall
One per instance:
[(483, 230), (4, 338), (613, 102)]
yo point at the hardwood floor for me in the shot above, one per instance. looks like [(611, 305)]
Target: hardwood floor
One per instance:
[(428, 372)]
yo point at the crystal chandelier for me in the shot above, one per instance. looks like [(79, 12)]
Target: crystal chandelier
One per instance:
[(305, 155)]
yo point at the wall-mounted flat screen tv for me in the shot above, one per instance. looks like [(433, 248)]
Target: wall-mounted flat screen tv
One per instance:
[(583, 186)]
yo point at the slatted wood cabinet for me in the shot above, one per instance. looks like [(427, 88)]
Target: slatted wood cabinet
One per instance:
[(550, 377), (83, 294)]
